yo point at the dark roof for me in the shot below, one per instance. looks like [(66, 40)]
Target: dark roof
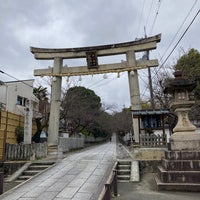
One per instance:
[(149, 112)]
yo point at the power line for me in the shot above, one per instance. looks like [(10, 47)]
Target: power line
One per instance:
[(182, 36), (179, 28), (15, 78), (178, 41), (148, 16), (161, 57), (92, 85), (107, 81), (139, 22), (154, 21)]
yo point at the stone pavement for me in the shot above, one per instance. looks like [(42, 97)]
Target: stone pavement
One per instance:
[(80, 176), (146, 189)]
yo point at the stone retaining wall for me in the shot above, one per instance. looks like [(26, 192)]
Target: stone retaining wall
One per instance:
[(67, 144), (26, 151)]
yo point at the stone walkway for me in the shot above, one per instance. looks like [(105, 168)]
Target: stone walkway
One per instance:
[(80, 176), (146, 190)]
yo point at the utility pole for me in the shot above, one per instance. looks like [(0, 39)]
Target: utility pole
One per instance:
[(150, 79)]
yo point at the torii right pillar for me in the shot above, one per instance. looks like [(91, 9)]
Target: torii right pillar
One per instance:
[(134, 92)]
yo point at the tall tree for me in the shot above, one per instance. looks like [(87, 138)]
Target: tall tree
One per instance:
[(189, 64), (44, 107), (122, 121), (41, 120), (161, 99), (81, 108)]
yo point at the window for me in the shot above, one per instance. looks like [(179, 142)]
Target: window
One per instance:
[(21, 101)]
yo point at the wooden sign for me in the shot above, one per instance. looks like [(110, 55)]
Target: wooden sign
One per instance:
[(92, 59)]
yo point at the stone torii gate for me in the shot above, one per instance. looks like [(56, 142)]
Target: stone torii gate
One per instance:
[(91, 54)]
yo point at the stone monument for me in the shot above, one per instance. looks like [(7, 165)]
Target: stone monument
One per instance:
[(180, 169)]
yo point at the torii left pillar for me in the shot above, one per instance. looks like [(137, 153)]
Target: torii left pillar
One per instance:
[(54, 118)]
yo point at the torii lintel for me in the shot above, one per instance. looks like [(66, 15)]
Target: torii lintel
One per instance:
[(140, 45)]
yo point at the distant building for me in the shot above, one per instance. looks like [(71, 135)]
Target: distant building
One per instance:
[(14, 96)]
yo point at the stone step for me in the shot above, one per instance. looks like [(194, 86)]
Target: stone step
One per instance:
[(23, 177), (124, 172), (182, 155), (39, 167), (124, 162), (181, 165), (123, 167), (19, 181), (124, 178), (53, 150), (31, 172), (44, 163), (34, 169), (192, 187), (123, 181), (178, 176)]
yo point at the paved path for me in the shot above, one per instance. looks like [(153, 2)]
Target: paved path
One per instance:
[(146, 190), (80, 176)]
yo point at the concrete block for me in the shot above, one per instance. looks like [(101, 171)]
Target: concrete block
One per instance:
[(135, 172)]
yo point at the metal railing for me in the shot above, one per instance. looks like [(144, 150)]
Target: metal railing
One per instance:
[(110, 187)]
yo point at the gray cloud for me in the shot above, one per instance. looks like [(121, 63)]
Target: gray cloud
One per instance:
[(75, 23)]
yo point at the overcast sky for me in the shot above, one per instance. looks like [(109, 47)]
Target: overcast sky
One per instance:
[(79, 23)]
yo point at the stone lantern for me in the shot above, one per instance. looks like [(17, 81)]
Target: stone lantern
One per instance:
[(180, 168), (185, 136)]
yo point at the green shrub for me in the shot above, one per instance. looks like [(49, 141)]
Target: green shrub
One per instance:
[(19, 134)]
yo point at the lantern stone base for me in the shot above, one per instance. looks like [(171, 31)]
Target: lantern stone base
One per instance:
[(179, 171), (185, 141)]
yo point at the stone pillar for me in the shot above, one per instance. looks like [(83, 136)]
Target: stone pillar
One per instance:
[(28, 122), (183, 124), (134, 91), (54, 118), (185, 136), (135, 171)]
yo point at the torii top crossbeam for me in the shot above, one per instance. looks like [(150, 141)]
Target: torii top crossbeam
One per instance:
[(101, 50)]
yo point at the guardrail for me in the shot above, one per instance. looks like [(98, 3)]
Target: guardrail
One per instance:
[(110, 186)]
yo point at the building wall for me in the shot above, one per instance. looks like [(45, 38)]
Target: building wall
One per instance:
[(3, 96), (10, 91), (8, 123)]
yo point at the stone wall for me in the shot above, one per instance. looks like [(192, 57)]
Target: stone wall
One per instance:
[(149, 153), (149, 166), (26, 151), (67, 144)]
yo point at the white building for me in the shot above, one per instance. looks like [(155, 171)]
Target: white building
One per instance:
[(14, 96)]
